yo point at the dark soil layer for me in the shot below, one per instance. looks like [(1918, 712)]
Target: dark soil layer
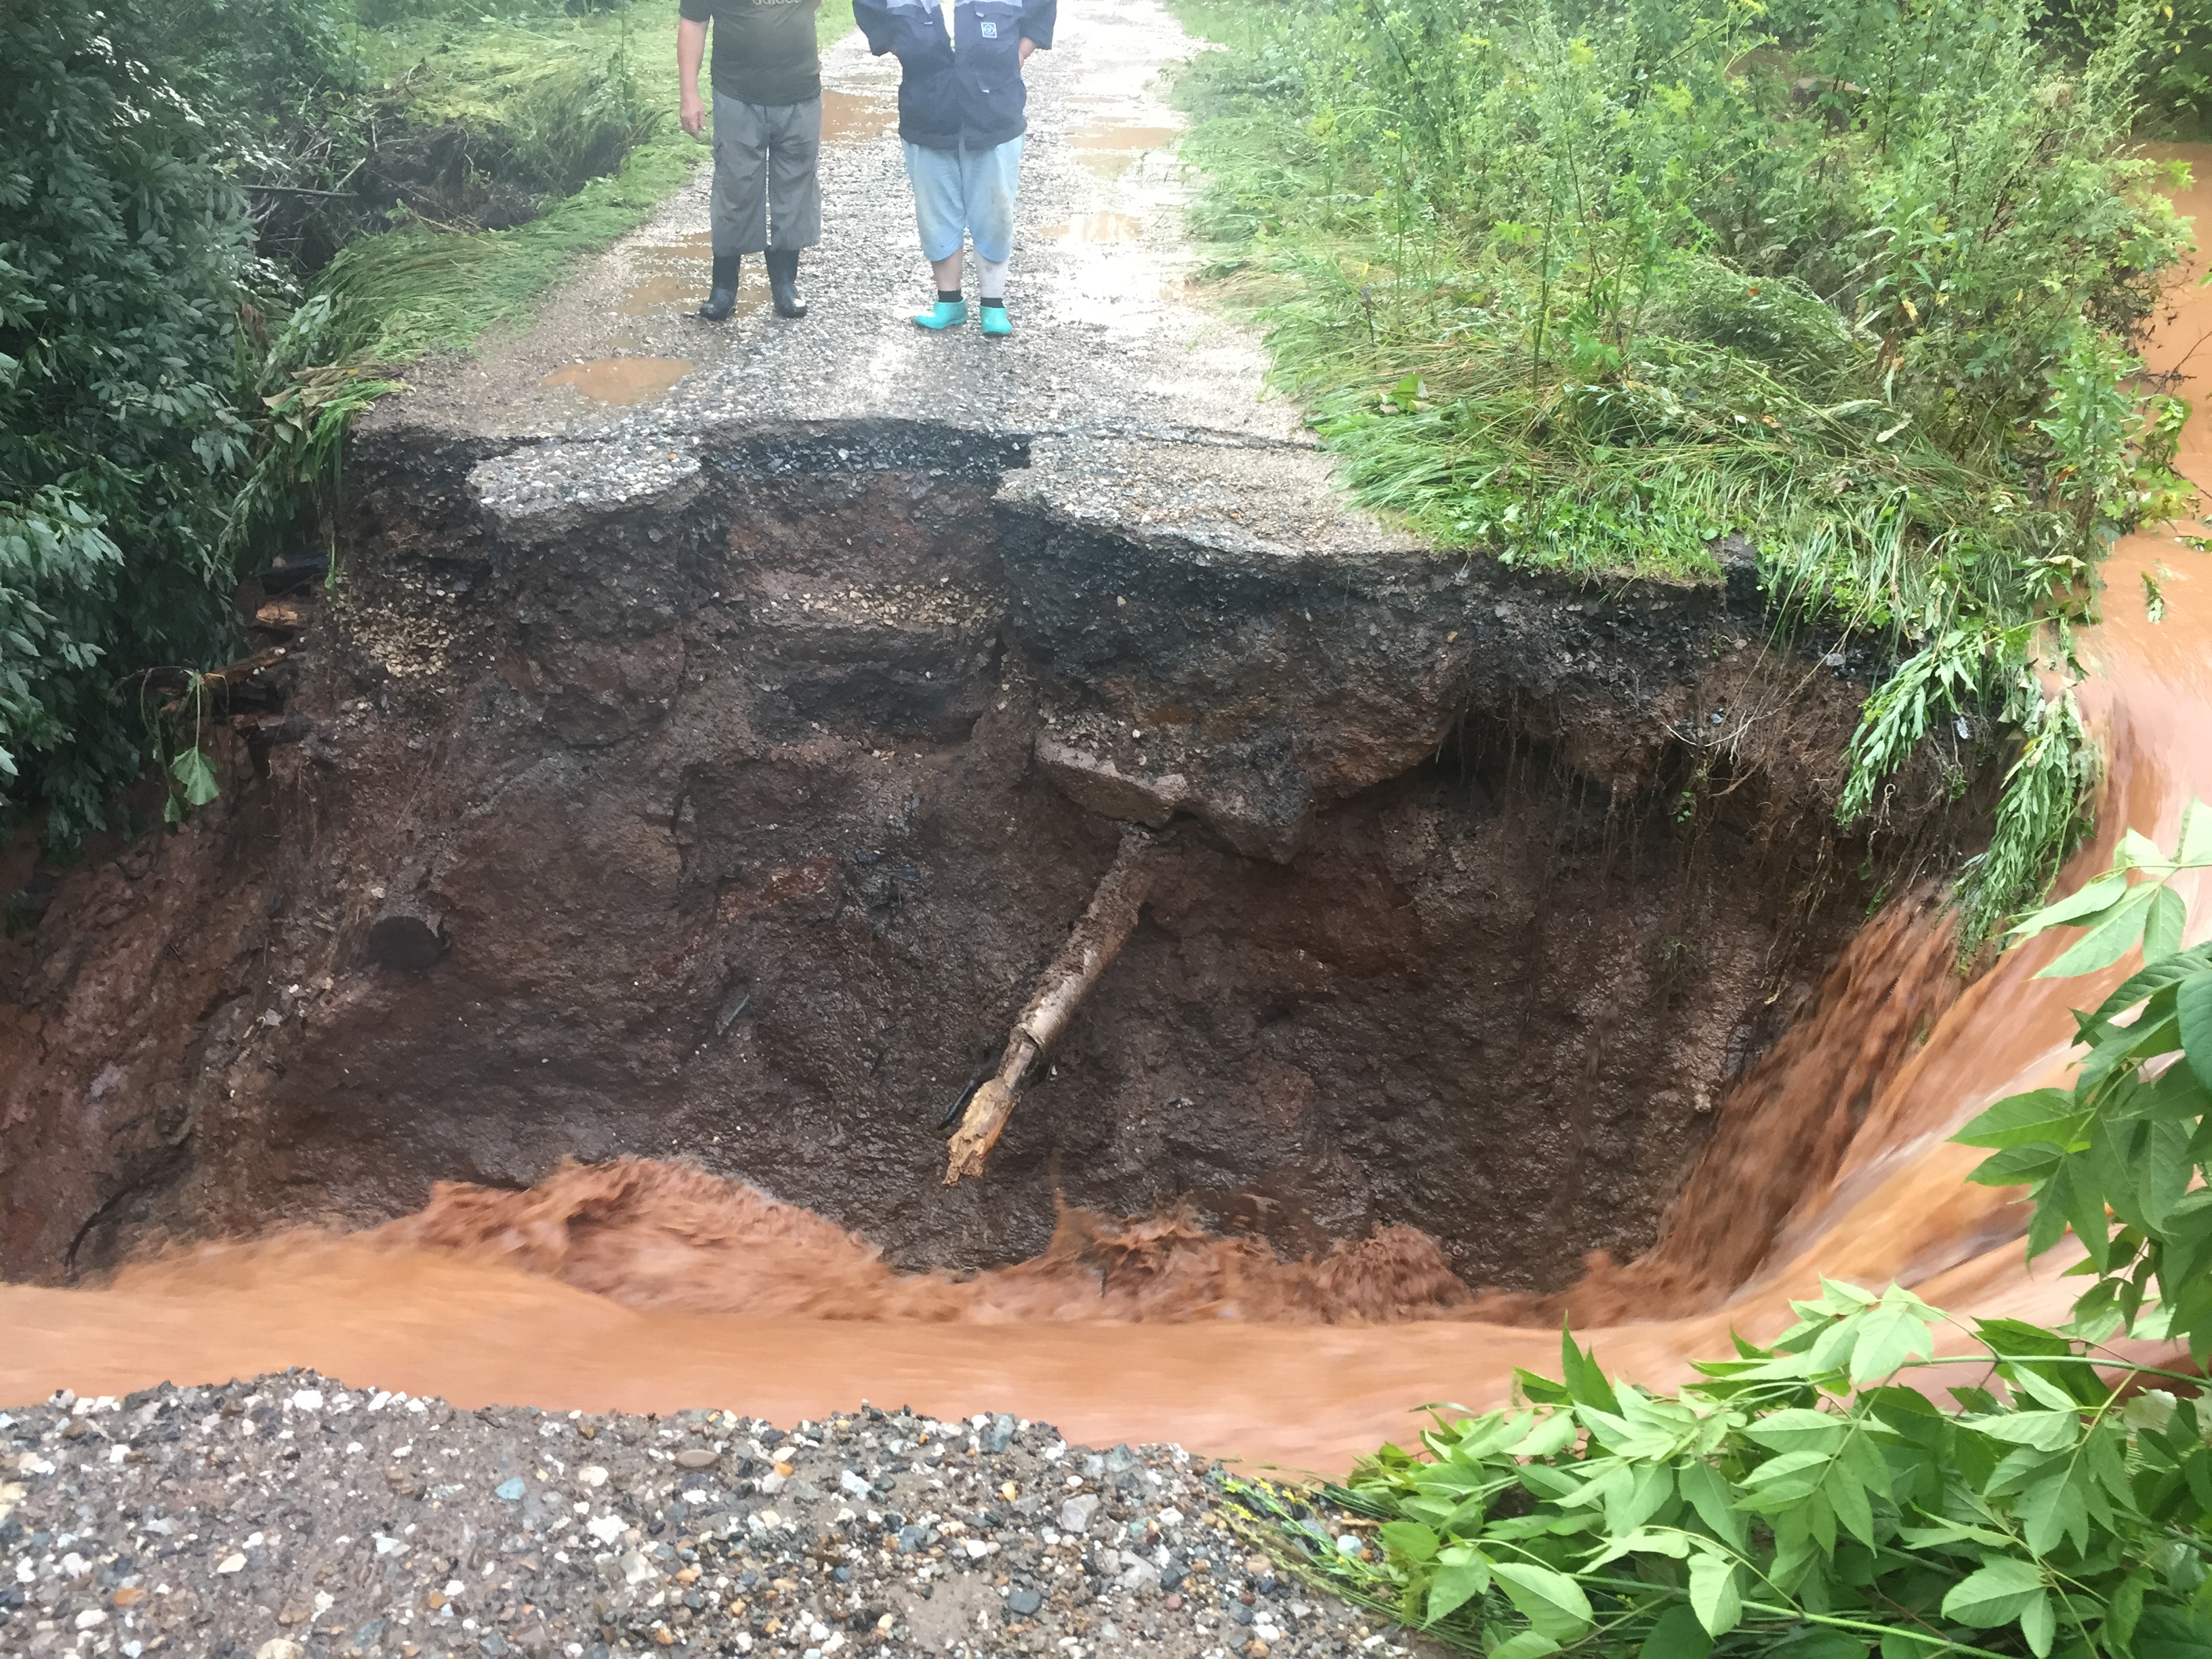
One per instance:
[(287, 1518), (735, 822)]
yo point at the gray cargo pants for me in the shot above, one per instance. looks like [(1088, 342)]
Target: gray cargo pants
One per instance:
[(765, 176)]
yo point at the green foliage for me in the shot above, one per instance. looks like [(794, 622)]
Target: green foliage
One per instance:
[(1655, 282), (2133, 1136), (1811, 1498), (260, 58), (421, 290), (151, 445), (122, 251), (548, 105), (1798, 1500)]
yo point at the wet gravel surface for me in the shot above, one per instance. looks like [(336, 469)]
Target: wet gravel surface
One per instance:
[(292, 1517), (1143, 401)]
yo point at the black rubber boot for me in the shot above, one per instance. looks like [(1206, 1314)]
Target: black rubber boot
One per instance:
[(783, 282), (722, 299)]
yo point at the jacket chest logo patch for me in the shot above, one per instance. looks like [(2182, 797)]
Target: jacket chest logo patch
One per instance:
[(990, 31)]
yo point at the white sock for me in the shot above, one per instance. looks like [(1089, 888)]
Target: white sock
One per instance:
[(992, 273)]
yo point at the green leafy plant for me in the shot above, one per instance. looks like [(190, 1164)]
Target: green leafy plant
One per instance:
[(2119, 1159), (1799, 1499), (123, 252), (179, 728), (1851, 288), (1811, 1497)]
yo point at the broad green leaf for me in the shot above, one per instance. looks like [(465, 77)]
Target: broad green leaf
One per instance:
[(2042, 1430), (1650, 1491), (2115, 933), (1676, 1635), (1672, 1543), (1551, 1602), (1803, 1467), (1410, 1540), (196, 777), (2051, 1509), (2016, 1166), (1463, 1574), (1553, 1435), (2195, 848), (1708, 1493), (2092, 899), (2164, 1171), (1798, 1431), (1586, 1381), (2145, 982), (1713, 1594), (2138, 851), (1951, 1532), (2124, 1609), (1853, 1512), (2039, 1623), (2051, 1115), (1525, 1644), (2193, 1006), (1891, 1334), (2162, 929), (1994, 1595)]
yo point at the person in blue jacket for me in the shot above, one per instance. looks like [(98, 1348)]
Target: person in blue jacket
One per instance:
[(962, 116)]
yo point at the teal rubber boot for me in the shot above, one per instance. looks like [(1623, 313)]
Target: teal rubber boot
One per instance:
[(996, 323), (945, 314)]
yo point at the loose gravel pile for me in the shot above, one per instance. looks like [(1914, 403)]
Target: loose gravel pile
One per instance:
[(290, 1516)]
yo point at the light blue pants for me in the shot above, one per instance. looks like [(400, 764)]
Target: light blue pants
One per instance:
[(959, 194)]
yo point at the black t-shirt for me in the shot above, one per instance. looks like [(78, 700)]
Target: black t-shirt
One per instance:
[(764, 50)]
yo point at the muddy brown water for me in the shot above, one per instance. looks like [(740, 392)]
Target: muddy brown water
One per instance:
[(645, 1286), (621, 380), (1109, 149)]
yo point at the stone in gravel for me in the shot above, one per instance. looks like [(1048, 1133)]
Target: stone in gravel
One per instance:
[(1075, 1514), (509, 1491), (697, 1457)]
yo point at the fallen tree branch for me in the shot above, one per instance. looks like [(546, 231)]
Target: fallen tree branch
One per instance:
[(1075, 971)]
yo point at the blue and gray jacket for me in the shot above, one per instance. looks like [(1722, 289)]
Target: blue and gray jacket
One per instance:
[(965, 90)]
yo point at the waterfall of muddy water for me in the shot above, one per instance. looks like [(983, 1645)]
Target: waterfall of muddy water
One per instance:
[(650, 1287)]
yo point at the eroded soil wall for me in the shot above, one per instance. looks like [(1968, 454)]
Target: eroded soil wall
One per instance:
[(733, 821)]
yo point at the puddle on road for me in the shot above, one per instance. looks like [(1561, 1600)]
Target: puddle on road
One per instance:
[(855, 118), (658, 295), (622, 379), (1095, 228), (1110, 148), (699, 245)]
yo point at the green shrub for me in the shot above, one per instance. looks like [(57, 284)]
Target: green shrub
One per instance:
[(1597, 286), (1809, 1499), (122, 250)]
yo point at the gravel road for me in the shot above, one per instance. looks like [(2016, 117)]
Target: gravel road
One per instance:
[(291, 1517)]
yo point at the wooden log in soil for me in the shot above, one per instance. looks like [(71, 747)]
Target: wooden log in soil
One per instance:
[(1074, 972)]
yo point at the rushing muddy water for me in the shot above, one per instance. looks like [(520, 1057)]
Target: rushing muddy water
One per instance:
[(648, 1287)]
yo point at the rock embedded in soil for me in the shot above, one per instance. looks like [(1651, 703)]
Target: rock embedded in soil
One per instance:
[(291, 1518)]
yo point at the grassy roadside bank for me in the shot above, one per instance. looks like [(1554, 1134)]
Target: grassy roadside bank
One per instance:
[(225, 225), (1613, 289), (429, 288)]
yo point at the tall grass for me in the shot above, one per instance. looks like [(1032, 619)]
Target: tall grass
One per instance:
[(1594, 285), (564, 84)]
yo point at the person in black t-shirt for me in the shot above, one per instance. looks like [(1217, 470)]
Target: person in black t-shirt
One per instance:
[(767, 84)]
